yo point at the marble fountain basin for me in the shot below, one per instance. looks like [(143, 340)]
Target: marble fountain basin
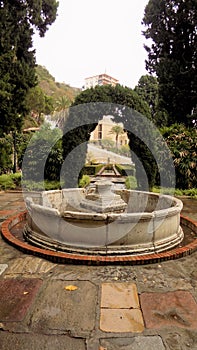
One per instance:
[(122, 221)]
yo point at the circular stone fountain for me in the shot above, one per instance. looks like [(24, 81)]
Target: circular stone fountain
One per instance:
[(103, 221)]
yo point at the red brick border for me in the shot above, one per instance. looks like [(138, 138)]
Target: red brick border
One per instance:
[(60, 257)]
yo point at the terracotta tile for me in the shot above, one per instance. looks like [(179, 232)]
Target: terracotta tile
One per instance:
[(119, 296), (121, 320), (16, 296), (177, 309)]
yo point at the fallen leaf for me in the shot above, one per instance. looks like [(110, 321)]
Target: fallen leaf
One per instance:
[(71, 288), (25, 293)]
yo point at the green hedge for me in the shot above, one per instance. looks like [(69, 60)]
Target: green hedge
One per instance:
[(125, 170), (10, 181), (91, 169), (84, 181), (131, 183)]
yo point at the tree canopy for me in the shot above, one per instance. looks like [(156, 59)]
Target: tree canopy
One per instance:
[(18, 20), (148, 90), (182, 142), (88, 108), (172, 55)]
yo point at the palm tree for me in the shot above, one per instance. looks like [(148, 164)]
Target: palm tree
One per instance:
[(117, 130), (61, 111)]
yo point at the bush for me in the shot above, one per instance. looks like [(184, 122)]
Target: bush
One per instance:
[(182, 143), (45, 142), (6, 182), (131, 183), (6, 154), (16, 179), (84, 181), (176, 192), (10, 181), (40, 186), (91, 169), (125, 170)]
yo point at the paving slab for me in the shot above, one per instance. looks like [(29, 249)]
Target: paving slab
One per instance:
[(135, 343), (29, 265), (119, 296), (63, 310), (121, 320), (9, 341), (16, 296), (3, 267), (178, 309)]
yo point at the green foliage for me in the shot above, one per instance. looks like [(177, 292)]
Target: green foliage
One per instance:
[(18, 20), (6, 182), (131, 183), (38, 103), (91, 169), (56, 91), (125, 150), (107, 144), (176, 192), (148, 90), (171, 26), (5, 154), (110, 145), (182, 143), (16, 178), (114, 99), (117, 130), (30, 185), (125, 170), (44, 149), (22, 141), (84, 181), (10, 181)]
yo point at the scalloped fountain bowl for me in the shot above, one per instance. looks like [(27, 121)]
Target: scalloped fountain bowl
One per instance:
[(103, 221)]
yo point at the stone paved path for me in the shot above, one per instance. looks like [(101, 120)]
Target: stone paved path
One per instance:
[(44, 305)]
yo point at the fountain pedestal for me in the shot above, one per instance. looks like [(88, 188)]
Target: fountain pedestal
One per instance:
[(103, 200)]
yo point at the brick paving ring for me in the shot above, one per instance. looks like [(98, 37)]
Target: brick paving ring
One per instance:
[(12, 232)]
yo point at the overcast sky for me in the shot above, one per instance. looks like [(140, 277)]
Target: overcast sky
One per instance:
[(90, 37)]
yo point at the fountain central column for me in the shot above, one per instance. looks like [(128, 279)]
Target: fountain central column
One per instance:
[(103, 199)]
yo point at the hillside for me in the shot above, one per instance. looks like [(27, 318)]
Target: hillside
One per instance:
[(52, 88)]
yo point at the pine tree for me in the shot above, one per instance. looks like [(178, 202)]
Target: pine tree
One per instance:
[(172, 26), (18, 19)]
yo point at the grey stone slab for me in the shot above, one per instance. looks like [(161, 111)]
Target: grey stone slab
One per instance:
[(29, 265), (62, 310), (135, 343), (25, 264), (8, 341)]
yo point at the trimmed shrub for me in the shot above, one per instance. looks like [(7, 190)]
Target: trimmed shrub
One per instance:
[(131, 183), (91, 169), (84, 181), (6, 182), (125, 170)]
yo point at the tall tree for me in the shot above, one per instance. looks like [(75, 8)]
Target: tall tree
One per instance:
[(172, 26), (88, 108), (18, 20), (147, 89), (117, 130)]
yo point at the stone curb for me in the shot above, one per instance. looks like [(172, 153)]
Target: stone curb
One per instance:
[(60, 257)]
